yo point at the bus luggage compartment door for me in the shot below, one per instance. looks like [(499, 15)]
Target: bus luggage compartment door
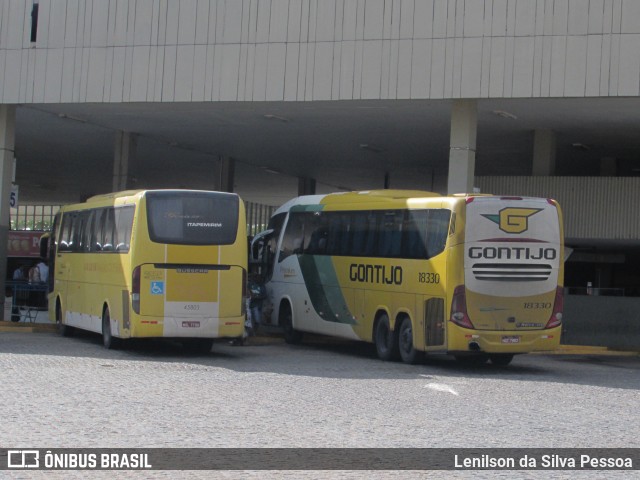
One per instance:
[(190, 291), (434, 322)]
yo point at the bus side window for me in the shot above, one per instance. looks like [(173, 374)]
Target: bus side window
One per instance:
[(359, 234), (88, 231), (65, 233), (339, 233), (123, 223), (107, 230), (389, 235), (437, 231), (96, 231), (293, 238), (316, 233), (414, 243)]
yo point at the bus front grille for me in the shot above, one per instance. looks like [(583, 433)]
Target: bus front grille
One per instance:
[(511, 272)]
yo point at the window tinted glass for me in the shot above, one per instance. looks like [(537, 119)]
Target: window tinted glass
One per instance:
[(65, 232), (378, 233), (124, 222), (293, 238), (192, 218)]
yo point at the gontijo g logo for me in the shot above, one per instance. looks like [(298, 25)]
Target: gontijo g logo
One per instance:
[(512, 219)]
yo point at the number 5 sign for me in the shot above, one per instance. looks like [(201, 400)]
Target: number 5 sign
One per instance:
[(13, 198)]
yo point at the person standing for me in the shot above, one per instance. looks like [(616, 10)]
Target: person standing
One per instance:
[(43, 270)]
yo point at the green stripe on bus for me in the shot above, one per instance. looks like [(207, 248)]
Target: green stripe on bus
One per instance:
[(324, 290)]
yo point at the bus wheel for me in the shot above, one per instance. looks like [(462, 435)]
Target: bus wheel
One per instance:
[(405, 342), (501, 359), (108, 340), (385, 339), (291, 335), (61, 328)]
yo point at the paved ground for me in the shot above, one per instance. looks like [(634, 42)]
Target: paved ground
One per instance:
[(70, 392)]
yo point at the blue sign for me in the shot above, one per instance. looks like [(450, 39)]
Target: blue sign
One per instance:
[(157, 288)]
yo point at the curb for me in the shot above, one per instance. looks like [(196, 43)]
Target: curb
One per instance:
[(22, 327), (589, 350)]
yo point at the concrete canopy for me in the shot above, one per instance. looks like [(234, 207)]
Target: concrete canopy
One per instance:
[(65, 151)]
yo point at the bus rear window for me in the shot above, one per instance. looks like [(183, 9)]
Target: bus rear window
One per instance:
[(192, 218)]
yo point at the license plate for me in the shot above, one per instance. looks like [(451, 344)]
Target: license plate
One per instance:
[(191, 324), (511, 339)]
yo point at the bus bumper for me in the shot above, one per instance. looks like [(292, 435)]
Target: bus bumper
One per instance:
[(509, 341), (188, 327)]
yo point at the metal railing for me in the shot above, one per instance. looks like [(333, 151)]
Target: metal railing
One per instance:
[(258, 216), (33, 217), (600, 292)]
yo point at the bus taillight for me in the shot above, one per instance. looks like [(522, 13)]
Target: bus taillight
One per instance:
[(135, 290), (556, 316), (459, 314)]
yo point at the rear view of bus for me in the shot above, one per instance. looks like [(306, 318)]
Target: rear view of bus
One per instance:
[(189, 267), (508, 297)]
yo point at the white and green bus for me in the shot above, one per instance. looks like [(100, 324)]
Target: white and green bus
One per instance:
[(476, 276)]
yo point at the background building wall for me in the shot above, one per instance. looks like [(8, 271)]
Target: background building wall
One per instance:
[(594, 208), (300, 50)]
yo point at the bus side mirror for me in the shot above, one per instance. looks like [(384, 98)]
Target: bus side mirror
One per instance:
[(257, 246)]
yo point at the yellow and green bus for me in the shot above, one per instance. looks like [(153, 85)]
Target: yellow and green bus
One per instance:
[(150, 263), (476, 276)]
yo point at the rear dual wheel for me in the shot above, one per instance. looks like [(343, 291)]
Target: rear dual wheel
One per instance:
[(385, 339), (405, 342)]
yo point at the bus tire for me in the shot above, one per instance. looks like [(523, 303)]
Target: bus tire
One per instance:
[(405, 342), (108, 340), (501, 359), (385, 339), (61, 328), (285, 320)]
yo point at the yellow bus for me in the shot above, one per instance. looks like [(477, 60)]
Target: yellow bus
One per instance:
[(476, 276), (154, 263)]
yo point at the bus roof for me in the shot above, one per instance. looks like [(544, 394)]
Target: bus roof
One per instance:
[(366, 196)]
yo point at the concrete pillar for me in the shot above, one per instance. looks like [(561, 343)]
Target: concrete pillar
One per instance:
[(544, 152), (227, 173), (123, 159), (387, 181), (462, 146), (306, 186), (608, 167), (7, 152)]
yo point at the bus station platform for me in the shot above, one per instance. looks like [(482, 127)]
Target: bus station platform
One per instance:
[(268, 334)]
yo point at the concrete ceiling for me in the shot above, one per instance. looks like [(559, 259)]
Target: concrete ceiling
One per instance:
[(65, 151)]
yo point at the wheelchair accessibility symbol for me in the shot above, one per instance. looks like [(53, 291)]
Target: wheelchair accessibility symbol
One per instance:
[(157, 288)]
